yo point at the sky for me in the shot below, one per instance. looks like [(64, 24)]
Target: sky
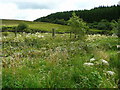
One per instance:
[(33, 9)]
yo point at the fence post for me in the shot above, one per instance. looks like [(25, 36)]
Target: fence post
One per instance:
[(53, 32), (70, 34), (15, 31)]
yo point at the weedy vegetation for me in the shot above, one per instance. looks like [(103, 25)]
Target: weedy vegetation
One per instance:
[(38, 60)]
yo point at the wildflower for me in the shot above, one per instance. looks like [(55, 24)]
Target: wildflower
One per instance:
[(9, 58), (72, 48), (42, 36), (118, 52), (72, 42), (118, 46), (39, 36), (92, 59), (88, 64), (104, 62), (37, 33), (110, 72), (43, 48), (4, 37), (24, 33), (113, 34)]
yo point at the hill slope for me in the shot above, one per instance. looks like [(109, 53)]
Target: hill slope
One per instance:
[(96, 14), (42, 26)]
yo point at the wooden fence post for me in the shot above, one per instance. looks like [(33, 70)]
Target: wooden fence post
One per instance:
[(70, 34), (53, 32), (15, 31)]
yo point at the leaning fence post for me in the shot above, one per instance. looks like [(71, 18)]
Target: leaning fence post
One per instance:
[(53, 32)]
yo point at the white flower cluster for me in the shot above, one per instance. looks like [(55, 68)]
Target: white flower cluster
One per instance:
[(19, 38), (118, 46), (97, 36), (0, 38), (93, 61), (88, 64), (110, 73), (104, 62), (36, 35)]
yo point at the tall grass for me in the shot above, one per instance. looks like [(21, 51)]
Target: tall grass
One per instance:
[(40, 61)]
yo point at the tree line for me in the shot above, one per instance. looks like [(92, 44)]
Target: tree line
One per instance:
[(90, 16)]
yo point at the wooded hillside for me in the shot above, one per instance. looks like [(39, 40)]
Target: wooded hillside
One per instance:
[(94, 15)]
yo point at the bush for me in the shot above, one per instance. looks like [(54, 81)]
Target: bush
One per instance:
[(104, 25), (5, 33), (78, 26), (22, 27), (4, 28)]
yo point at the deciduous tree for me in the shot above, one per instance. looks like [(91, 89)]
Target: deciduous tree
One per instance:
[(78, 26)]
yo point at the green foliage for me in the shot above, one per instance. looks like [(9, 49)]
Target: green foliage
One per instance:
[(4, 28), (78, 27), (60, 21), (35, 26), (104, 25), (10, 25), (118, 28), (39, 61), (96, 14), (115, 27), (5, 33), (22, 27)]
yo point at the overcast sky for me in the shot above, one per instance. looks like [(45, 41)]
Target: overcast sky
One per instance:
[(33, 9)]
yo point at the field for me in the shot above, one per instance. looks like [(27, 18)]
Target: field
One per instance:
[(42, 26), (40, 61)]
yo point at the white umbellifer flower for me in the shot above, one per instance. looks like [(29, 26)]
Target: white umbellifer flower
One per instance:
[(37, 33), (110, 72), (72, 42), (42, 36), (113, 34), (4, 37), (118, 46), (118, 52), (88, 64), (92, 59), (104, 62), (43, 48), (39, 36)]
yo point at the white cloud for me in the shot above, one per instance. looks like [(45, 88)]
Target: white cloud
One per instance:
[(8, 10), (23, 14), (32, 9), (30, 14)]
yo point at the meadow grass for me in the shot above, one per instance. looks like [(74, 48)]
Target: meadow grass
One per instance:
[(40, 61), (42, 26)]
